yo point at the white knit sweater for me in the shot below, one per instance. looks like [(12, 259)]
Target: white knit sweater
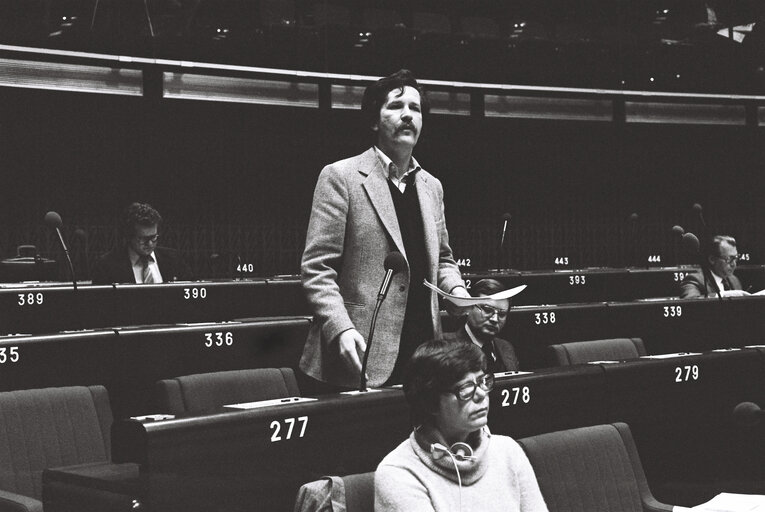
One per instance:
[(410, 479)]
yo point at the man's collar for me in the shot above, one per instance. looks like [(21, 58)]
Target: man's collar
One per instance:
[(472, 336), (134, 256), (386, 161)]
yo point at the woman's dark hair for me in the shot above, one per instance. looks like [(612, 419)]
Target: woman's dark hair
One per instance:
[(376, 94), (434, 368)]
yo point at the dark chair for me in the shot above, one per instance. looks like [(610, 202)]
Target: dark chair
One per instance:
[(614, 349), (596, 469), (352, 493), (207, 392), (46, 428)]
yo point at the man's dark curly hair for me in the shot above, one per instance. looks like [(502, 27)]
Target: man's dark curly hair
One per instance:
[(141, 214)]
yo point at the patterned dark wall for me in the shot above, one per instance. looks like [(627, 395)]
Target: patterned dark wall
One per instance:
[(234, 182)]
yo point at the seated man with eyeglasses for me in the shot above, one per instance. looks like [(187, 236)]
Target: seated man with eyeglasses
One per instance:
[(451, 461), (483, 323), (716, 277), (137, 259)]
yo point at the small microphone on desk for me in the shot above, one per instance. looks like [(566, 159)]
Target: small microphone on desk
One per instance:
[(747, 414), (53, 220), (394, 263)]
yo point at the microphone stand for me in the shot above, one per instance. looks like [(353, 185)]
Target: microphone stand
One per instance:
[(68, 258), (363, 381)]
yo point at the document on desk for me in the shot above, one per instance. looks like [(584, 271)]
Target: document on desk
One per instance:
[(471, 301), (728, 502)]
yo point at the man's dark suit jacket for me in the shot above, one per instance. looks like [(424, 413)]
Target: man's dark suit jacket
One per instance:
[(693, 285), (502, 348), (115, 267)]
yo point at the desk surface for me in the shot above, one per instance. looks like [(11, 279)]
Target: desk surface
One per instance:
[(36, 308)]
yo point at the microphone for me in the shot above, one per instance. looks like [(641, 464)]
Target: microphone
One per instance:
[(394, 263), (699, 211), (53, 220), (747, 414), (505, 224), (692, 245), (691, 242), (678, 232)]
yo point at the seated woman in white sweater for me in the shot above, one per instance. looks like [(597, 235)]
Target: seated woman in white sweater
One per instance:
[(451, 462)]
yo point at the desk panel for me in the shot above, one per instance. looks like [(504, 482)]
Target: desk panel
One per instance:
[(548, 400), (129, 361), (199, 301), (150, 354), (257, 459), (675, 325), (45, 309), (532, 329), (680, 412)]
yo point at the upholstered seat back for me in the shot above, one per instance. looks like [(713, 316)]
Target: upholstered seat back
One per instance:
[(585, 470), (615, 349), (42, 428), (207, 392), (351, 493)]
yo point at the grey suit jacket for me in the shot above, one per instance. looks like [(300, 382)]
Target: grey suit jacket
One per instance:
[(352, 228), (693, 285)]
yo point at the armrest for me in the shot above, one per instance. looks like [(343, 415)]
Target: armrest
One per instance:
[(651, 505), (99, 487), (12, 502)]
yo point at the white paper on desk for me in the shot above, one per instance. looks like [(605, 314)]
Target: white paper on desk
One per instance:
[(471, 301), (728, 502), (761, 292)]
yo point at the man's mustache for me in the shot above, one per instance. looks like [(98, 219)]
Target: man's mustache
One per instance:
[(407, 127)]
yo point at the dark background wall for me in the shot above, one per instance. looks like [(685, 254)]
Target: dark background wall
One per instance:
[(236, 180)]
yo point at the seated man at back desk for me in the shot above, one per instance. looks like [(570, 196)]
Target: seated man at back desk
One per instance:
[(137, 259), (483, 322), (715, 279)]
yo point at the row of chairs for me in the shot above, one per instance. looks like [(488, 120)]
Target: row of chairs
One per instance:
[(595, 468), (54, 427)]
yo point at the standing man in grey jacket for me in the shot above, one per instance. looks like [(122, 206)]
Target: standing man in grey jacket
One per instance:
[(363, 208)]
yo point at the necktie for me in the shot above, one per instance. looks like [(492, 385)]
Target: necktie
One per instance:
[(146, 274), (726, 284), (488, 349)]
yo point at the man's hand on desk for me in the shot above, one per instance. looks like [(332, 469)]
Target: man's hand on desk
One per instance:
[(352, 347)]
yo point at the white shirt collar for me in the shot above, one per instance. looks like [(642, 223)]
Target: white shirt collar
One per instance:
[(134, 257), (414, 166), (718, 281)]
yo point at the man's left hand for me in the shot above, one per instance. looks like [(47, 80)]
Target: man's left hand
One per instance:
[(453, 309)]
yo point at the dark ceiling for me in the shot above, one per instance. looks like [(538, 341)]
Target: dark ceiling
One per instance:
[(668, 45)]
